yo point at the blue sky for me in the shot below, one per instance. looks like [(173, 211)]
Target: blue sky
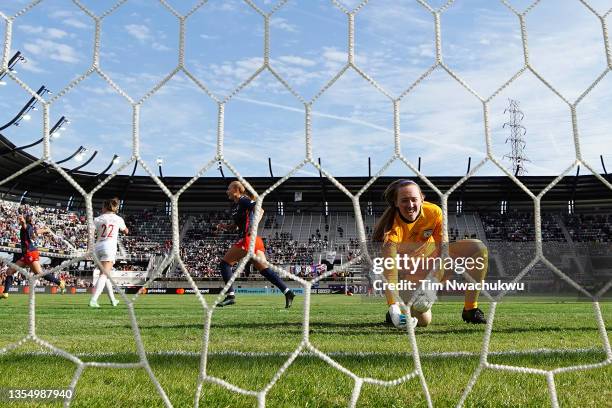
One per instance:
[(394, 42)]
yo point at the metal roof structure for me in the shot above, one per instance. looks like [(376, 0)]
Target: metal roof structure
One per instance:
[(46, 186)]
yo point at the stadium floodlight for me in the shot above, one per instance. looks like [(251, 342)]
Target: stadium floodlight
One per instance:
[(79, 167), (57, 129), (12, 62), (80, 154), (73, 155), (160, 161), (113, 161), (54, 133), (25, 110)]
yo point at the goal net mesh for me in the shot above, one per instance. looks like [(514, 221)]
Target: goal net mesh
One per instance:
[(305, 346)]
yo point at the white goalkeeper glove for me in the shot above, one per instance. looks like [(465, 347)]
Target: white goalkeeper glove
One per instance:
[(425, 296), (400, 319)]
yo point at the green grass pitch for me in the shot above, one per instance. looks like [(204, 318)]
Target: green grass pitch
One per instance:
[(350, 329)]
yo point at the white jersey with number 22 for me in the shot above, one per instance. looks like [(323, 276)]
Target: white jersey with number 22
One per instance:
[(107, 229)]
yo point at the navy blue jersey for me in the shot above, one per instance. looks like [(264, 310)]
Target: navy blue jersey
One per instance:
[(243, 214), (27, 242)]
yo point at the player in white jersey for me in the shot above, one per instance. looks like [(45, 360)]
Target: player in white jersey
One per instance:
[(108, 225)]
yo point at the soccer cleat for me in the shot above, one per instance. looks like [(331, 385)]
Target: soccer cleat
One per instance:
[(62, 286), (289, 296), (114, 302), (94, 304), (229, 300), (475, 316), (4, 296)]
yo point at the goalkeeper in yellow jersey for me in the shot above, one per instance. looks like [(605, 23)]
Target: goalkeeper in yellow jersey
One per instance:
[(410, 231)]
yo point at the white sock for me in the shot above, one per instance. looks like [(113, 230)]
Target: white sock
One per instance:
[(109, 288), (99, 287)]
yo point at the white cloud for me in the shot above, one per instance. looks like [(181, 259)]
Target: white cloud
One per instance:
[(31, 66), (99, 90), (144, 35), (388, 16), (61, 14), (227, 75), (53, 50), (56, 33), (394, 47), (28, 29), (160, 47), (73, 22), (334, 55), (139, 31), (418, 136), (53, 33), (426, 50), (295, 60), (33, 48), (333, 59), (283, 24)]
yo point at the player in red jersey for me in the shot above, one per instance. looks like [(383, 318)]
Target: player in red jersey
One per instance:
[(29, 255)]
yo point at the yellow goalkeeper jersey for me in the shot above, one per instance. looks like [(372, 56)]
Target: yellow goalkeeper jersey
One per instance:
[(426, 229)]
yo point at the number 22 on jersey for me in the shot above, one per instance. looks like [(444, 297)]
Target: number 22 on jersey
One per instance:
[(107, 231)]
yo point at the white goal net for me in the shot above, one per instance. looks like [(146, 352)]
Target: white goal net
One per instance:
[(305, 347)]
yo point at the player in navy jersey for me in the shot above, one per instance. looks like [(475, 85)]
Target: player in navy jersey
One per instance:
[(243, 214), (29, 255)]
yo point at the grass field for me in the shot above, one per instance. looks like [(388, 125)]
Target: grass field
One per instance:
[(350, 329)]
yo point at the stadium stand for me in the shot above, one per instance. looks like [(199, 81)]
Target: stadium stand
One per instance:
[(301, 241)]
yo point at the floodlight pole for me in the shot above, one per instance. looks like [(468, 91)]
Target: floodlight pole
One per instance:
[(323, 190), (115, 157), (84, 164), (220, 168), (57, 180), (44, 167), (575, 186), (55, 128), (129, 182), (28, 107)]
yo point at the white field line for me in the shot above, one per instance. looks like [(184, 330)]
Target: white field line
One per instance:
[(256, 354)]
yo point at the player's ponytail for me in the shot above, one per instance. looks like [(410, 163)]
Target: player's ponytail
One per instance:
[(385, 222), (243, 190), (111, 205)]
